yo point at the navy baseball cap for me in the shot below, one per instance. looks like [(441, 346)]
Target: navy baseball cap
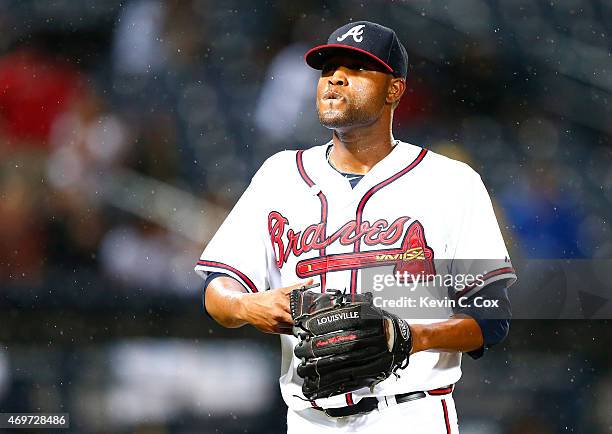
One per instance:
[(373, 40)]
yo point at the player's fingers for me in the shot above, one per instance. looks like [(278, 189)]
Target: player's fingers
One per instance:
[(306, 282), (286, 306), (286, 318)]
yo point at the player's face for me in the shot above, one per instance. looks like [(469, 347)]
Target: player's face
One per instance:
[(352, 91)]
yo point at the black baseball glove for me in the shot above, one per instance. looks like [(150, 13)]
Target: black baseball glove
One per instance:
[(345, 342)]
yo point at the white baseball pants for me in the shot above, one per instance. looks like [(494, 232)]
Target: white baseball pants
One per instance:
[(429, 415)]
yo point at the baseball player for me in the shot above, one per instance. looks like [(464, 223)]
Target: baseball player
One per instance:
[(323, 215)]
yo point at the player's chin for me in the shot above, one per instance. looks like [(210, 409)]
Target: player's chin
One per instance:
[(334, 119)]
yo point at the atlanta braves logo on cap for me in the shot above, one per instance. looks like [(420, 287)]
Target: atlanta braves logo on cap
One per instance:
[(380, 44), (356, 32)]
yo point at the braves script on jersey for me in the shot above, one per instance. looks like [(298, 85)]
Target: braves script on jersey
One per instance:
[(300, 218)]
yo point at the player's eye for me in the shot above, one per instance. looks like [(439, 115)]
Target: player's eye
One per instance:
[(358, 67), (328, 67)]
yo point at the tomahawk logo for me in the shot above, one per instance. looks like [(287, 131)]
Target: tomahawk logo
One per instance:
[(356, 32)]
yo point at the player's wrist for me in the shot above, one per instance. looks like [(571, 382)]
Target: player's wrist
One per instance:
[(420, 340), (241, 307)]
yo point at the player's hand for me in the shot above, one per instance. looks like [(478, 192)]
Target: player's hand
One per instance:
[(269, 311)]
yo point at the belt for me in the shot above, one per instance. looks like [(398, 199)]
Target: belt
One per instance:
[(369, 404)]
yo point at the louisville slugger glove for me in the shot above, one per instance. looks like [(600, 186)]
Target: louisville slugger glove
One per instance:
[(345, 342)]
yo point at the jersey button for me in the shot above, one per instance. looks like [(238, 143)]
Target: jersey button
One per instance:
[(315, 189)]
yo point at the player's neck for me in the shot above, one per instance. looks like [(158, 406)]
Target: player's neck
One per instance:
[(358, 150)]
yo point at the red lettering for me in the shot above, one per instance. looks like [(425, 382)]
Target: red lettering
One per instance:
[(293, 246), (313, 237), (345, 233), (348, 239), (394, 232), (276, 228), (311, 231), (319, 241), (372, 236)]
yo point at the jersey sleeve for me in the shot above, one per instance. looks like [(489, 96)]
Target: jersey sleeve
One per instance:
[(480, 256), (493, 319), (240, 247)]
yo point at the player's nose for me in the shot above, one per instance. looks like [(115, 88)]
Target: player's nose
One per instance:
[(338, 78)]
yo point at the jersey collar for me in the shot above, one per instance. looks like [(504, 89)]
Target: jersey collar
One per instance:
[(332, 183)]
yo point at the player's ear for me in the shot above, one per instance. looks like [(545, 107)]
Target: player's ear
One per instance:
[(397, 87)]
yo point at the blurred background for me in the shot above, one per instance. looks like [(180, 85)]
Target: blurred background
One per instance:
[(129, 129)]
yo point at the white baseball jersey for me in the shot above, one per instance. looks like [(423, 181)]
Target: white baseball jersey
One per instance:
[(300, 218)]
